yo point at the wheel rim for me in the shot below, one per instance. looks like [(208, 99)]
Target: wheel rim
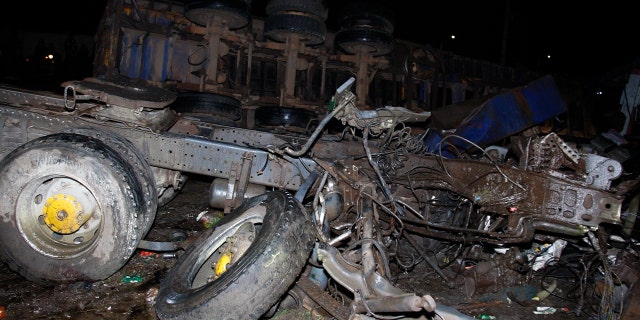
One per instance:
[(58, 216), (228, 246)]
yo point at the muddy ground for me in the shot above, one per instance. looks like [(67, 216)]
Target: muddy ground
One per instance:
[(130, 293)]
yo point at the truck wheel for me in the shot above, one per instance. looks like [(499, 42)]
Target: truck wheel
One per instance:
[(311, 7), (69, 211), (235, 13), (374, 42), (310, 30), (372, 15), (243, 265), (273, 116), (209, 107), (143, 173)]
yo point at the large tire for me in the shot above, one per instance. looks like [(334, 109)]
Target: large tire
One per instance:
[(209, 107), (374, 42), (316, 8), (272, 239), (372, 15), (269, 116), (143, 174), (310, 30), (236, 14), (49, 184)]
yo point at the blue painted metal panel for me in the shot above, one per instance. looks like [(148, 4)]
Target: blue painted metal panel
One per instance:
[(155, 58), (132, 53), (187, 57), (502, 115), (159, 58), (147, 62)]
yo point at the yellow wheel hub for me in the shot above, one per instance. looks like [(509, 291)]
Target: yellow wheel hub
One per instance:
[(234, 248), (223, 262), (63, 214)]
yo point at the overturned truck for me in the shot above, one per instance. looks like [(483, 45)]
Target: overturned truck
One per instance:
[(324, 202)]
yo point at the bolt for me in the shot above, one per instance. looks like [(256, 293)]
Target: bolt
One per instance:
[(62, 215)]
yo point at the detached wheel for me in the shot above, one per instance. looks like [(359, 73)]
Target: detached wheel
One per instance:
[(70, 208), (242, 266)]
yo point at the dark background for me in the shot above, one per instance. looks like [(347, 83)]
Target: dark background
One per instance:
[(592, 46), (584, 39)]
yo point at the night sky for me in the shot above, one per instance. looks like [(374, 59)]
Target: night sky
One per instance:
[(583, 40)]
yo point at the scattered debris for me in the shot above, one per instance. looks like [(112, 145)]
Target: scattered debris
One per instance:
[(544, 293), (131, 279), (544, 310)]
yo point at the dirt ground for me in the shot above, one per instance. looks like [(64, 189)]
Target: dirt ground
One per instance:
[(130, 293)]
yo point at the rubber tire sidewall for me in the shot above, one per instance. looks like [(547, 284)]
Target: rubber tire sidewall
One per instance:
[(209, 107), (98, 167), (312, 31), (260, 277), (150, 200), (316, 8), (350, 40), (237, 13), (267, 116)]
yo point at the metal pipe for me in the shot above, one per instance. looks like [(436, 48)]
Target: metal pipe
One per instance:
[(315, 134), (368, 261)]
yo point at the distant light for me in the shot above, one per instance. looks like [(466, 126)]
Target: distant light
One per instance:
[(48, 57), (548, 56), (453, 36), (599, 92)]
